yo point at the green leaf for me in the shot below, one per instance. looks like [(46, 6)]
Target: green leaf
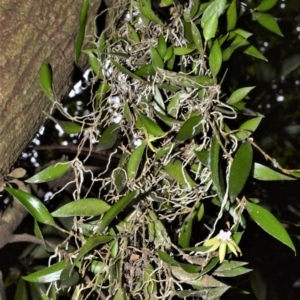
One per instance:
[(149, 14), (264, 173), (215, 58), (46, 81), (120, 295), (83, 207), (53, 172), (132, 34), (210, 27), (239, 95), (156, 59), (82, 23), (151, 126), (189, 129), (146, 70), (269, 223), (194, 279), (125, 71), (203, 157), (217, 176), (49, 274), (176, 170), (21, 290), (197, 37), (108, 137), (34, 206), (252, 51), (134, 161), (267, 21), (258, 285), (231, 16), (216, 7), (240, 169), (94, 63), (248, 127), (203, 293), (232, 273), (266, 5), (186, 228), (115, 210), (182, 50), (90, 244), (161, 45)]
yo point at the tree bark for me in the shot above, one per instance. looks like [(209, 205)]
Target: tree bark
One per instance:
[(31, 33)]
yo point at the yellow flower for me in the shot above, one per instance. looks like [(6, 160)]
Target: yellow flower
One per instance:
[(221, 241)]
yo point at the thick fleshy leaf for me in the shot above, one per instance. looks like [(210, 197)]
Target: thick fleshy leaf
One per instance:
[(217, 176), (21, 290), (248, 127), (194, 278), (49, 274), (231, 16), (120, 295), (156, 59), (149, 14), (151, 126), (197, 37), (146, 70), (203, 293), (252, 51), (183, 50), (239, 95), (94, 62), (133, 36), (264, 173), (34, 206), (46, 81), (240, 169), (53, 172), (266, 5), (161, 45), (115, 210), (108, 137), (125, 71), (82, 207), (186, 229), (210, 27), (176, 170), (267, 21), (91, 244), (203, 157), (269, 223), (134, 161), (189, 129), (232, 273), (258, 284), (215, 58), (216, 7), (82, 23)]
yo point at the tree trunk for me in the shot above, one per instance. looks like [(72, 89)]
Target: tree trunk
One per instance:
[(32, 33)]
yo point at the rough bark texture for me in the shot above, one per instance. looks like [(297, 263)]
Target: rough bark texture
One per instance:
[(33, 32)]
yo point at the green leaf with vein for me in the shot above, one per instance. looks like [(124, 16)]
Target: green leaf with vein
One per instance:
[(108, 137), (266, 5), (83, 207), (115, 210), (52, 172), (82, 24), (34, 206), (46, 275), (264, 173), (269, 223), (240, 169), (239, 94), (267, 21)]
